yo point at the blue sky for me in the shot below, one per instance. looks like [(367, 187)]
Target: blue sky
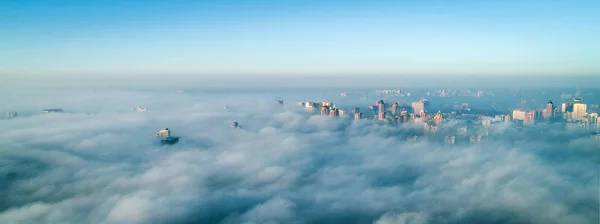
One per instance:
[(90, 38)]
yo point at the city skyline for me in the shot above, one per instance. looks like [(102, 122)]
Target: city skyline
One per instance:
[(89, 157), (113, 38), (264, 111)]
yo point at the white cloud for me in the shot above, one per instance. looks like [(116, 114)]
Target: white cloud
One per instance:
[(284, 166), (403, 218), (129, 210)]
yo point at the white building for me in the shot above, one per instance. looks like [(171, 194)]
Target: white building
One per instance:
[(579, 112), (165, 132), (519, 115)]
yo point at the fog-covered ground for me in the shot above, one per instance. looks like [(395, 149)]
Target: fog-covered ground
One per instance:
[(283, 166)]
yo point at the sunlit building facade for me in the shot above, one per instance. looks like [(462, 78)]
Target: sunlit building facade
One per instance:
[(579, 111)]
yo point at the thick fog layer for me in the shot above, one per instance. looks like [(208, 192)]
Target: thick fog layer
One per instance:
[(283, 166)]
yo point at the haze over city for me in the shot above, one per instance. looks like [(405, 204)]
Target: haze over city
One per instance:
[(404, 112)]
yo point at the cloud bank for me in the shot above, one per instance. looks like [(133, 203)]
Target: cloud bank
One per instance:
[(284, 166)]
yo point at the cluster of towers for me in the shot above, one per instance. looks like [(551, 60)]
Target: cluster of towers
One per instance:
[(388, 112), (331, 111), (572, 112), (396, 113), (400, 113), (325, 108)]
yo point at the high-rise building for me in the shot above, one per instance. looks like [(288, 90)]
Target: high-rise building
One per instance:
[(395, 107), (235, 125), (421, 105), (381, 115), (326, 104), (325, 110), (579, 111), (165, 137), (399, 120), (310, 105), (403, 118), (519, 115), (165, 132), (357, 115), (577, 100), (566, 107), (548, 112), (438, 118), (334, 112), (380, 106), (529, 118), (423, 115), (593, 120)]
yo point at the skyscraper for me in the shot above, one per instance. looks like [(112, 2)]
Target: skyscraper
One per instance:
[(325, 110), (381, 115), (507, 119), (357, 115), (518, 115), (593, 120), (421, 105), (579, 110), (403, 118), (438, 118), (334, 112), (548, 112), (529, 118), (395, 107), (380, 105)]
